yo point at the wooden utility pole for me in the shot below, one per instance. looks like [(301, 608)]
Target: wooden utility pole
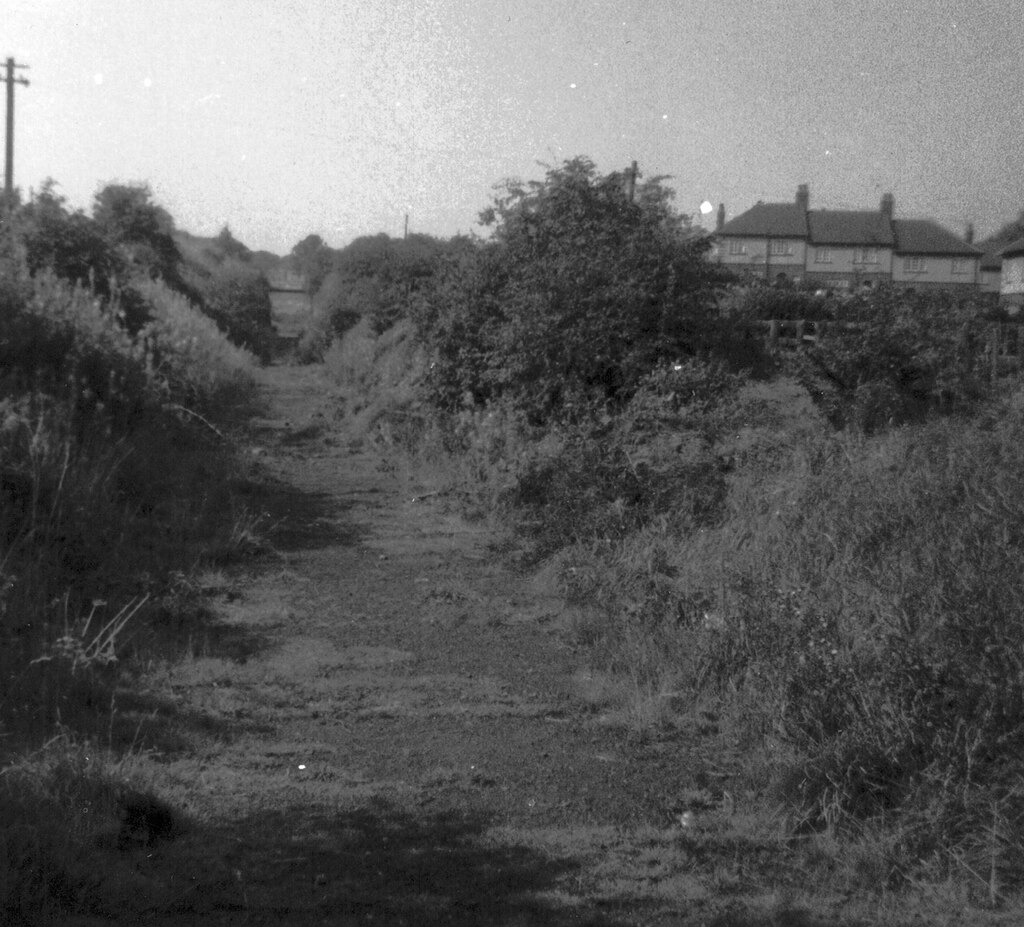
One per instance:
[(10, 80)]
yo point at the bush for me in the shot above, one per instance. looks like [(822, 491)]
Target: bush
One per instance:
[(759, 301), (896, 357), (190, 356), (237, 297), (578, 295), (604, 480)]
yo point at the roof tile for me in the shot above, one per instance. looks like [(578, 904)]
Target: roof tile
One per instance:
[(850, 227), (923, 236), (769, 220)]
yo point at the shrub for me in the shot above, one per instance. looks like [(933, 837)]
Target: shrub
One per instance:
[(237, 297), (603, 480), (191, 357), (69, 244), (759, 301), (896, 357), (579, 294)]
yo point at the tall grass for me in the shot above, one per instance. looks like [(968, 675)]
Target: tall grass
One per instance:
[(848, 605), (854, 608), (115, 477)]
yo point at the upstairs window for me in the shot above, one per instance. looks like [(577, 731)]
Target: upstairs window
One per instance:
[(914, 265), (822, 255), (865, 256), (780, 247), (737, 247), (962, 265)]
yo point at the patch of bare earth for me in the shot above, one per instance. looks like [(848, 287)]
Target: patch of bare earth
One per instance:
[(390, 726)]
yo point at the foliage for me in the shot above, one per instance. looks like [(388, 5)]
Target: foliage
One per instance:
[(142, 231), (237, 297), (896, 356), (758, 301), (311, 258), (231, 247), (380, 278), (100, 438), (654, 461), (877, 627), (576, 296), (190, 357), (70, 244)]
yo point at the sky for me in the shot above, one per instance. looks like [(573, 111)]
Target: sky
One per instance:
[(285, 118)]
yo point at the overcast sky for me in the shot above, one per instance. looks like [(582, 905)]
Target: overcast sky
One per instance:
[(283, 118)]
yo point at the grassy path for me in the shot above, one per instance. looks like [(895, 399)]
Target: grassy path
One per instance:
[(389, 726)]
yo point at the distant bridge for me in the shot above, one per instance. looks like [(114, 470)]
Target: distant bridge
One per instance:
[(288, 281)]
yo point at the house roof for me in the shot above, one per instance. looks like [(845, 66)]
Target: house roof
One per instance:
[(1014, 248), (867, 228), (849, 227), (922, 236), (991, 257), (769, 220)]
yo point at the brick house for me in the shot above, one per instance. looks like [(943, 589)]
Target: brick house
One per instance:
[(844, 248), (1011, 287)]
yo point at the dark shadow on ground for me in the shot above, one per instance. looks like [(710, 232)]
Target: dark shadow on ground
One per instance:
[(110, 712), (376, 865), (296, 520)]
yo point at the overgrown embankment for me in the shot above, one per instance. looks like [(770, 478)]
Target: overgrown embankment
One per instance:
[(816, 548), (116, 483)]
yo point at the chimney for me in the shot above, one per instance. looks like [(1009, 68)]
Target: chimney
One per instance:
[(720, 221), (888, 206), (969, 233), (803, 197)]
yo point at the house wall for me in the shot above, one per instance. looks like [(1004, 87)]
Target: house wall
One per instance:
[(843, 268), (758, 260), (990, 280), (938, 270), (1012, 283)]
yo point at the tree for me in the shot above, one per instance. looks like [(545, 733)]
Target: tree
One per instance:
[(237, 298), (141, 230), (578, 294), (313, 259), (69, 243), (231, 247)]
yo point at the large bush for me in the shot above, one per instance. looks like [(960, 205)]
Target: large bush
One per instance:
[(379, 278), (579, 293), (237, 297), (895, 356)]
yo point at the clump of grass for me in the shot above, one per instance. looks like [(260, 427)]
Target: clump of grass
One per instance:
[(115, 478), (71, 812)]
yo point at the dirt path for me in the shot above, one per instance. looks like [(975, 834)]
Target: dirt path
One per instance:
[(389, 726)]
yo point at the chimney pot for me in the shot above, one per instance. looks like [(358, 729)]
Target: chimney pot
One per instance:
[(969, 233), (888, 205), (720, 221), (803, 197)]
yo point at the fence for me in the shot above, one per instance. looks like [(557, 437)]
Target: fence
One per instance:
[(999, 343)]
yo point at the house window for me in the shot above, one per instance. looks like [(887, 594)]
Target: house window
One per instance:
[(962, 265), (914, 265), (822, 255), (737, 247), (781, 247), (865, 256)]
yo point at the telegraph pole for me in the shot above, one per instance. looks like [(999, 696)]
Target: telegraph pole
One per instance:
[(10, 80)]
